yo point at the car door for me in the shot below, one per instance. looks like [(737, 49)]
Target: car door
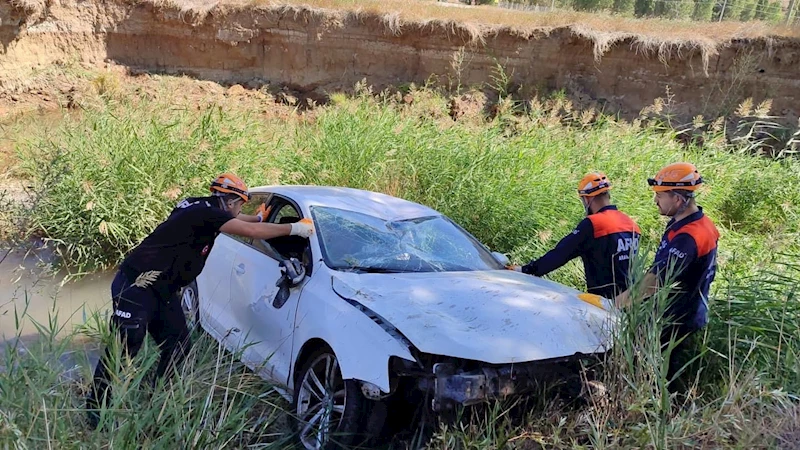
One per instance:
[(265, 314), (213, 286)]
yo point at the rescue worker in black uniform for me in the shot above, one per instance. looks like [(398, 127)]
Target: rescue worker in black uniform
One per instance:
[(606, 240), (144, 290), (687, 257)]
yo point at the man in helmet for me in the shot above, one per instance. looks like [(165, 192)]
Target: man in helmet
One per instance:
[(686, 256), (144, 290), (605, 240)]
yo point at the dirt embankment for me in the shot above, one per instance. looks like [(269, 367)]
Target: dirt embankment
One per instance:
[(323, 51)]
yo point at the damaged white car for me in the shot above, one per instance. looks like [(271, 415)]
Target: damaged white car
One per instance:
[(392, 303)]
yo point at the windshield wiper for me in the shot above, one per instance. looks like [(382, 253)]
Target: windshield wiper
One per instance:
[(367, 269)]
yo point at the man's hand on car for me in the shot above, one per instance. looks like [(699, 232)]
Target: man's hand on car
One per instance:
[(303, 228)]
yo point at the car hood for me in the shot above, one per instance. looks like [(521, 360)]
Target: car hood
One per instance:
[(496, 316)]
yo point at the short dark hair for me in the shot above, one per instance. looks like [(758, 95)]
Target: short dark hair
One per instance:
[(605, 194)]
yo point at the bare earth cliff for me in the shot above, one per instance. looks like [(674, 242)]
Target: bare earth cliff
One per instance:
[(323, 50)]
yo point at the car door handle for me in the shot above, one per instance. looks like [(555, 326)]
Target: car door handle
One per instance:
[(240, 269)]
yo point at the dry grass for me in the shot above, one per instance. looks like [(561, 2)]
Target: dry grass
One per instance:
[(33, 8), (487, 19), (666, 39), (29, 5)]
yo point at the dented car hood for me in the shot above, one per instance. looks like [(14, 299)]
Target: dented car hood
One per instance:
[(496, 316)]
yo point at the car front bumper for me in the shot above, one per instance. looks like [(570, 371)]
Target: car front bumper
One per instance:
[(452, 387)]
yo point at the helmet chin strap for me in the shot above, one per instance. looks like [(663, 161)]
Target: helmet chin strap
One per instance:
[(587, 206), (683, 206), (223, 204)]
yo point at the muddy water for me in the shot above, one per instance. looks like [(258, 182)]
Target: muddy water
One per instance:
[(27, 286)]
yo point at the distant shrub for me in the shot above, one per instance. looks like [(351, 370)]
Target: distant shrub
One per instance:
[(674, 9), (703, 10)]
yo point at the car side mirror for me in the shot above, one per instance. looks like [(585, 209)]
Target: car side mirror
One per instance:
[(293, 272), (501, 258)]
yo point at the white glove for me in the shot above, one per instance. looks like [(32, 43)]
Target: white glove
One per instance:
[(304, 228)]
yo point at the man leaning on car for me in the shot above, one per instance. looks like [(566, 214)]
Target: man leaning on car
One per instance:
[(145, 286)]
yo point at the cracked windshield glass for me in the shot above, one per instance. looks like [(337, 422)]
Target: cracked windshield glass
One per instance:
[(366, 243)]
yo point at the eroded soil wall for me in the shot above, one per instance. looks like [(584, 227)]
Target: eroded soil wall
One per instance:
[(324, 51)]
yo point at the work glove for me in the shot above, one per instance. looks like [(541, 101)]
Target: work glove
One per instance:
[(598, 301), (304, 228), (293, 270), (262, 212)]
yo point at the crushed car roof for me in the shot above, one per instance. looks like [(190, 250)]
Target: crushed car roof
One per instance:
[(375, 204)]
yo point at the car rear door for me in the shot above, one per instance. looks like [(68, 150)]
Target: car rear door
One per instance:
[(213, 286), (266, 318)]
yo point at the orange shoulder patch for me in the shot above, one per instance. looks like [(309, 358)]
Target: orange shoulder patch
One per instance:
[(704, 233), (612, 221)]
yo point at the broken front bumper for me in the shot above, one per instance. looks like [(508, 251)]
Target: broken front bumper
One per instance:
[(453, 387)]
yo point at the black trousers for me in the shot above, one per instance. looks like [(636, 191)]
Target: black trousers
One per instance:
[(138, 311), (682, 357)]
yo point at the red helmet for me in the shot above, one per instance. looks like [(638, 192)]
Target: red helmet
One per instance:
[(229, 183)]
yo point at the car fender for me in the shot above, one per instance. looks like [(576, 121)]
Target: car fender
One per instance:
[(363, 345)]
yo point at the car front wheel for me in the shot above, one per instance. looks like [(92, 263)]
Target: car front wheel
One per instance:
[(329, 411)]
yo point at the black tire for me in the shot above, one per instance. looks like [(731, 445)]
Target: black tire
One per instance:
[(190, 304), (345, 427)]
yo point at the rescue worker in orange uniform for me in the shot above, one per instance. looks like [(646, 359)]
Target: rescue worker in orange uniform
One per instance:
[(606, 240), (144, 290), (686, 256)]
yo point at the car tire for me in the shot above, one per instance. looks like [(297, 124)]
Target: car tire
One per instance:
[(335, 419), (190, 304)]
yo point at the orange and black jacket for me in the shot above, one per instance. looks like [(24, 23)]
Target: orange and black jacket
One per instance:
[(687, 256), (605, 241)]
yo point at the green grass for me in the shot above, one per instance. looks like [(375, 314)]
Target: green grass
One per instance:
[(109, 177), (211, 402), (105, 178)]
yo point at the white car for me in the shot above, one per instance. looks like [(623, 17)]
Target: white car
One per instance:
[(398, 305)]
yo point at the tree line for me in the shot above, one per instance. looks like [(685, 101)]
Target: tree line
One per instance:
[(699, 10)]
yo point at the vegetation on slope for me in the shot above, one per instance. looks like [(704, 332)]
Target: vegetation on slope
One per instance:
[(105, 177)]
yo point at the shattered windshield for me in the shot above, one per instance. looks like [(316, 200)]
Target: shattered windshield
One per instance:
[(360, 242)]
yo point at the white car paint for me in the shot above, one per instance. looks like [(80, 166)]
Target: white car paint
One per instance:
[(269, 329), (372, 203), (361, 345), (213, 284), (492, 316)]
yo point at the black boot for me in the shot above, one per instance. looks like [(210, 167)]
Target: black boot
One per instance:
[(92, 411)]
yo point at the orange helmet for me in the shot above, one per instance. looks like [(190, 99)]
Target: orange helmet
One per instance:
[(592, 184), (229, 183), (683, 176)]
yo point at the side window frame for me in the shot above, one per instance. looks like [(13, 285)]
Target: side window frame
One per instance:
[(277, 202), (253, 201)]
